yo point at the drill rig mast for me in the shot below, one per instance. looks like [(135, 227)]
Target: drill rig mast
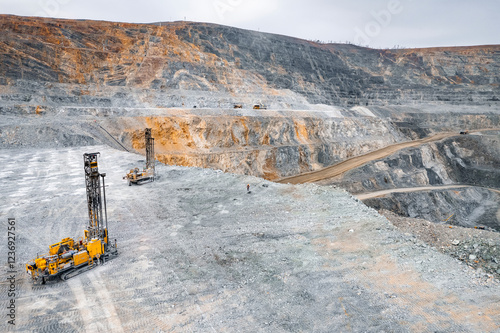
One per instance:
[(69, 258), (94, 200), (150, 150), (148, 173)]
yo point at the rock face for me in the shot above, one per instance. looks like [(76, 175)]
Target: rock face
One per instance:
[(60, 62), (471, 160), (471, 207), (272, 146)]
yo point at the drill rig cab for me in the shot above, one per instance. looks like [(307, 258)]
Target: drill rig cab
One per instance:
[(70, 257), (135, 176)]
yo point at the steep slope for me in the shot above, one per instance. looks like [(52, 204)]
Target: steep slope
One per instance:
[(466, 160), (171, 64)]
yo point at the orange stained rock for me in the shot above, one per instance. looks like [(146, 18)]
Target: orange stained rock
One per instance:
[(208, 142), (301, 131), (92, 46), (171, 133), (178, 159), (270, 171)]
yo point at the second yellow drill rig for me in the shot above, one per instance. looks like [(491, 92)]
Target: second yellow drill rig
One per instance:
[(135, 176), (71, 257)]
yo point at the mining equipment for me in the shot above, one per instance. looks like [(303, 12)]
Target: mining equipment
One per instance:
[(70, 257), (135, 176), (464, 132), (259, 107), (238, 106)]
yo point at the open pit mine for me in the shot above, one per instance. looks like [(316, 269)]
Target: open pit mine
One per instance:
[(298, 186)]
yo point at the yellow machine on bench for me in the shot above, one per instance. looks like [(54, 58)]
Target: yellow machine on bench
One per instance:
[(135, 176), (69, 258)]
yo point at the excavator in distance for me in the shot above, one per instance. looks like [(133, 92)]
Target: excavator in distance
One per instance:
[(70, 257), (135, 176)]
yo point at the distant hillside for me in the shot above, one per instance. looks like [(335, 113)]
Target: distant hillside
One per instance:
[(184, 63)]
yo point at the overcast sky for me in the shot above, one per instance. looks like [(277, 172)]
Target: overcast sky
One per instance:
[(376, 23)]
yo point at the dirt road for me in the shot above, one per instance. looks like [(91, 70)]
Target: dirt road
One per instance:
[(364, 196), (358, 161), (371, 195), (355, 162)]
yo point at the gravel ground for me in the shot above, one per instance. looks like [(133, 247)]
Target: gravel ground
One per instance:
[(198, 253), (479, 249)]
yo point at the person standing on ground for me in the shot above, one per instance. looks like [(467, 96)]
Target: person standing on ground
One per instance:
[(248, 187)]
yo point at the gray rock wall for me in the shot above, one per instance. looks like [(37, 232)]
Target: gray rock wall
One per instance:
[(185, 64), (468, 159)]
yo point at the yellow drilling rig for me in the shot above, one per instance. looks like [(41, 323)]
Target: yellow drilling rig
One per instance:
[(135, 176), (71, 257)]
